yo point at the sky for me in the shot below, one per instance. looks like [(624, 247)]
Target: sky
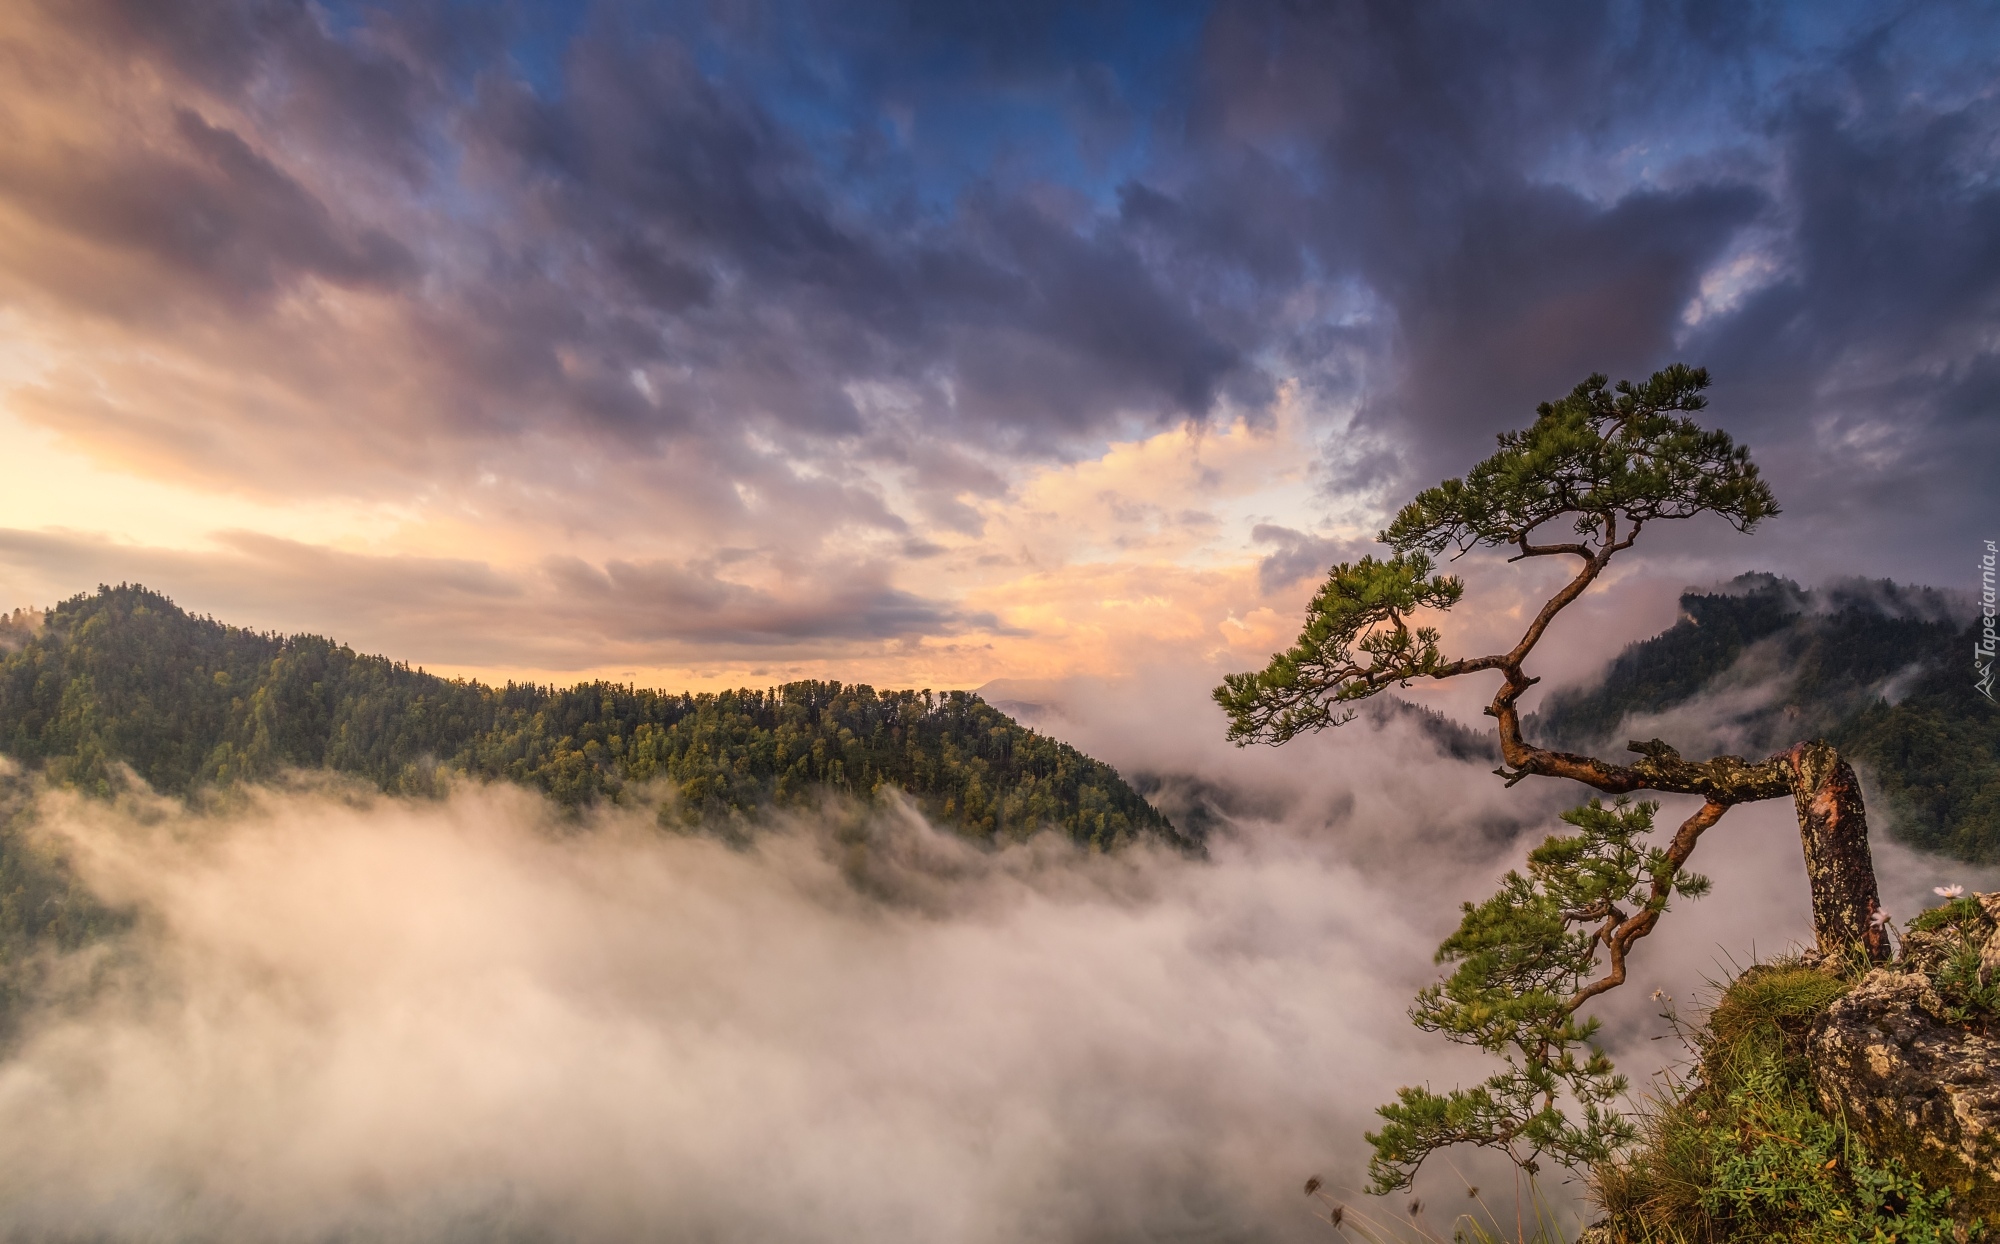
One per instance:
[(935, 343)]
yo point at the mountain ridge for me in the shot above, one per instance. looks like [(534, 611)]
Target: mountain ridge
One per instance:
[(1870, 665), (125, 676)]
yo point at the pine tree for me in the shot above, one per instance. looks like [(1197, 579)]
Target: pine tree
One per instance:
[(1593, 471)]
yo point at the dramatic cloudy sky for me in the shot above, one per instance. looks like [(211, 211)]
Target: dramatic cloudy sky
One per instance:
[(937, 342)]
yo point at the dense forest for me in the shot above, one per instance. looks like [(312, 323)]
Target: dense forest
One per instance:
[(1882, 671), (124, 677)]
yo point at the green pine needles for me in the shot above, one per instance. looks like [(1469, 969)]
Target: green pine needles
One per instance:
[(1606, 461), (1527, 959), (1357, 640), (1603, 451)]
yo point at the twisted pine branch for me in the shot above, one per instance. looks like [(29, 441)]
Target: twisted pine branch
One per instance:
[(1527, 960)]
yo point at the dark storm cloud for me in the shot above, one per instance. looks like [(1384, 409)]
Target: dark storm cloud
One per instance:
[(879, 236), (365, 94), (1537, 194), (715, 240), (1426, 138), (1876, 343), (210, 208), (1539, 289), (644, 251)]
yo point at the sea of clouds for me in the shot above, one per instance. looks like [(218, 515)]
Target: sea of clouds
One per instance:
[(344, 1016)]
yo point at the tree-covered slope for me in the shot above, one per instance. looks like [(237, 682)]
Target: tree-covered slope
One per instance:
[(45, 910), (1882, 671), (124, 676)]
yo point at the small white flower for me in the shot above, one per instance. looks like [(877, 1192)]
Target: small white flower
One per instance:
[(1948, 891), (1879, 919)]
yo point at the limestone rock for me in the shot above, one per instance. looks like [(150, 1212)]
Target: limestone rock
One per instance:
[(1929, 951), (1912, 1085), (1989, 954)]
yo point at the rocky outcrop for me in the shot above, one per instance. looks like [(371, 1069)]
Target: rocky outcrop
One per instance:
[(1910, 1083), (1929, 950)]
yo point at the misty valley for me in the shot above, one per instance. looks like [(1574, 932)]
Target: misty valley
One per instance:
[(270, 905)]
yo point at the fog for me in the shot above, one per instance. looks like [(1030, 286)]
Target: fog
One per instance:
[(340, 1015)]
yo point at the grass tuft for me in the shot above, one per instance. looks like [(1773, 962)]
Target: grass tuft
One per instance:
[(1945, 943), (1768, 1011), (1740, 1149)]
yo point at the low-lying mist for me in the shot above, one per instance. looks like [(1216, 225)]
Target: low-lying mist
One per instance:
[(347, 1016)]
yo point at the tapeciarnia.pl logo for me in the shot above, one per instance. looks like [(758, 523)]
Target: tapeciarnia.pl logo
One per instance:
[(1983, 651)]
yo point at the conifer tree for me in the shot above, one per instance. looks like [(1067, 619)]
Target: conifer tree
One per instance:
[(1593, 471)]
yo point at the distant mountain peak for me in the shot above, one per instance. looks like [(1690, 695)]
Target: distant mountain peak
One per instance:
[(1759, 663)]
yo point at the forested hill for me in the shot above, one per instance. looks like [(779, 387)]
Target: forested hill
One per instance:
[(1883, 671), (125, 675)]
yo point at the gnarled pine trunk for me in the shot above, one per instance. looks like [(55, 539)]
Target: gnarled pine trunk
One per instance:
[(1834, 830), (1832, 824)]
